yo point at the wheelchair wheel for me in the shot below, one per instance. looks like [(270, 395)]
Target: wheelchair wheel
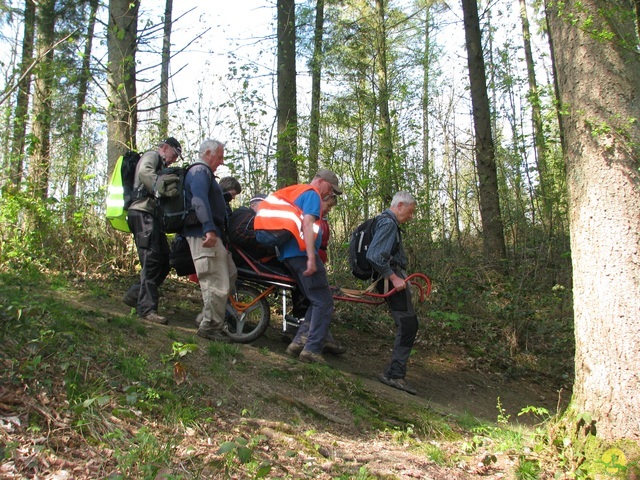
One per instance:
[(245, 325)]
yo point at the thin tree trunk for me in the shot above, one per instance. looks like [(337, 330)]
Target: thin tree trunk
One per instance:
[(426, 145), (163, 124), (316, 73), (602, 151), (493, 233), (538, 132), (385, 161), (22, 102), (78, 124), (42, 103), (287, 147), (122, 110)]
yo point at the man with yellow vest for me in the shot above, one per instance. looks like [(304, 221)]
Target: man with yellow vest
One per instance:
[(297, 209)]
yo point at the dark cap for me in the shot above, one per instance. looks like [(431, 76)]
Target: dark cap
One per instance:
[(258, 197), (331, 178), (175, 144)]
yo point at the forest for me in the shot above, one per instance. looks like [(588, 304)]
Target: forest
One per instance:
[(513, 123)]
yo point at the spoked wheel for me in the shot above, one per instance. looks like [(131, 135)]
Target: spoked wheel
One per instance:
[(247, 318)]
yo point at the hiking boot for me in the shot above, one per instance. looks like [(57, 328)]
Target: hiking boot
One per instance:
[(334, 348), (294, 349), (213, 334), (130, 300), (153, 317), (399, 383), (310, 357)]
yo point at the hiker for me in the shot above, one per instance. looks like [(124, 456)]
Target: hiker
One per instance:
[(230, 188), (243, 234), (297, 209), (145, 223), (215, 270), (301, 304), (389, 261)]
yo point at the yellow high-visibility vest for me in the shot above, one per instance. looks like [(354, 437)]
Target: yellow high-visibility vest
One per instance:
[(116, 214)]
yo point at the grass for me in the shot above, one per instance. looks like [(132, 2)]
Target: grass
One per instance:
[(97, 380)]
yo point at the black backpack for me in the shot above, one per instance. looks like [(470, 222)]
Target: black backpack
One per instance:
[(128, 172), (176, 212), (359, 245)]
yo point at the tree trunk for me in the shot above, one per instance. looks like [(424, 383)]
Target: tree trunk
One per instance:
[(22, 102), (42, 104), (385, 162), (493, 234), (599, 88), (426, 145), (287, 170), (122, 110), (78, 124), (316, 72), (163, 124), (538, 132)]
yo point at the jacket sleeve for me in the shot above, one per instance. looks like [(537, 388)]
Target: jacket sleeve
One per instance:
[(148, 168), (382, 245)]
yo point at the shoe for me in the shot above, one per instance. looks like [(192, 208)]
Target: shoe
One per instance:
[(155, 318), (310, 357), (215, 335), (399, 383), (130, 300), (334, 348), (294, 349), (198, 320)]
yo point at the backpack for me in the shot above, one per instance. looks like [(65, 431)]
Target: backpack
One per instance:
[(120, 192), (176, 212), (359, 245)]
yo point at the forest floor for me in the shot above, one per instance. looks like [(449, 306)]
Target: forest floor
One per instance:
[(265, 394)]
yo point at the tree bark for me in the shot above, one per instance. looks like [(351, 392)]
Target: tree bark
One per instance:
[(493, 234), (163, 124), (122, 110), (287, 148), (22, 101), (316, 73), (599, 83), (42, 102)]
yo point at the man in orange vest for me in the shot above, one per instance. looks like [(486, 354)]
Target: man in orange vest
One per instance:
[(297, 209)]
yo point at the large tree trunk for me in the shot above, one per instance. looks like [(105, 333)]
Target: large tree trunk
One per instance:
[(122, 110), (599, 84), (316, 72), (42, 103), (22, 102), (163, 124), (493, 234), (78, 124), (287, 148)]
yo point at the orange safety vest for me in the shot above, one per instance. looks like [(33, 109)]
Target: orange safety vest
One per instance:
[(278, 211)]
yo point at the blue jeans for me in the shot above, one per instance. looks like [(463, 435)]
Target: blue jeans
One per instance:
[(316, 290)]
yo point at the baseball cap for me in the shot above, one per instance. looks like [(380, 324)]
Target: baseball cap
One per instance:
[(258, 197), (332, 179), (175, 144)]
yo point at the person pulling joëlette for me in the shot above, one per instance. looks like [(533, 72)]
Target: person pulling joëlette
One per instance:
[(389, 261)]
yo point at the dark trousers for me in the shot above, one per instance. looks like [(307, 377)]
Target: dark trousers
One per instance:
[(316, 290), (153, 252), (406, 321)]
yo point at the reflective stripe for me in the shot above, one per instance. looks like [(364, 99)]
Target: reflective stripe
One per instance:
[(278, 211)]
